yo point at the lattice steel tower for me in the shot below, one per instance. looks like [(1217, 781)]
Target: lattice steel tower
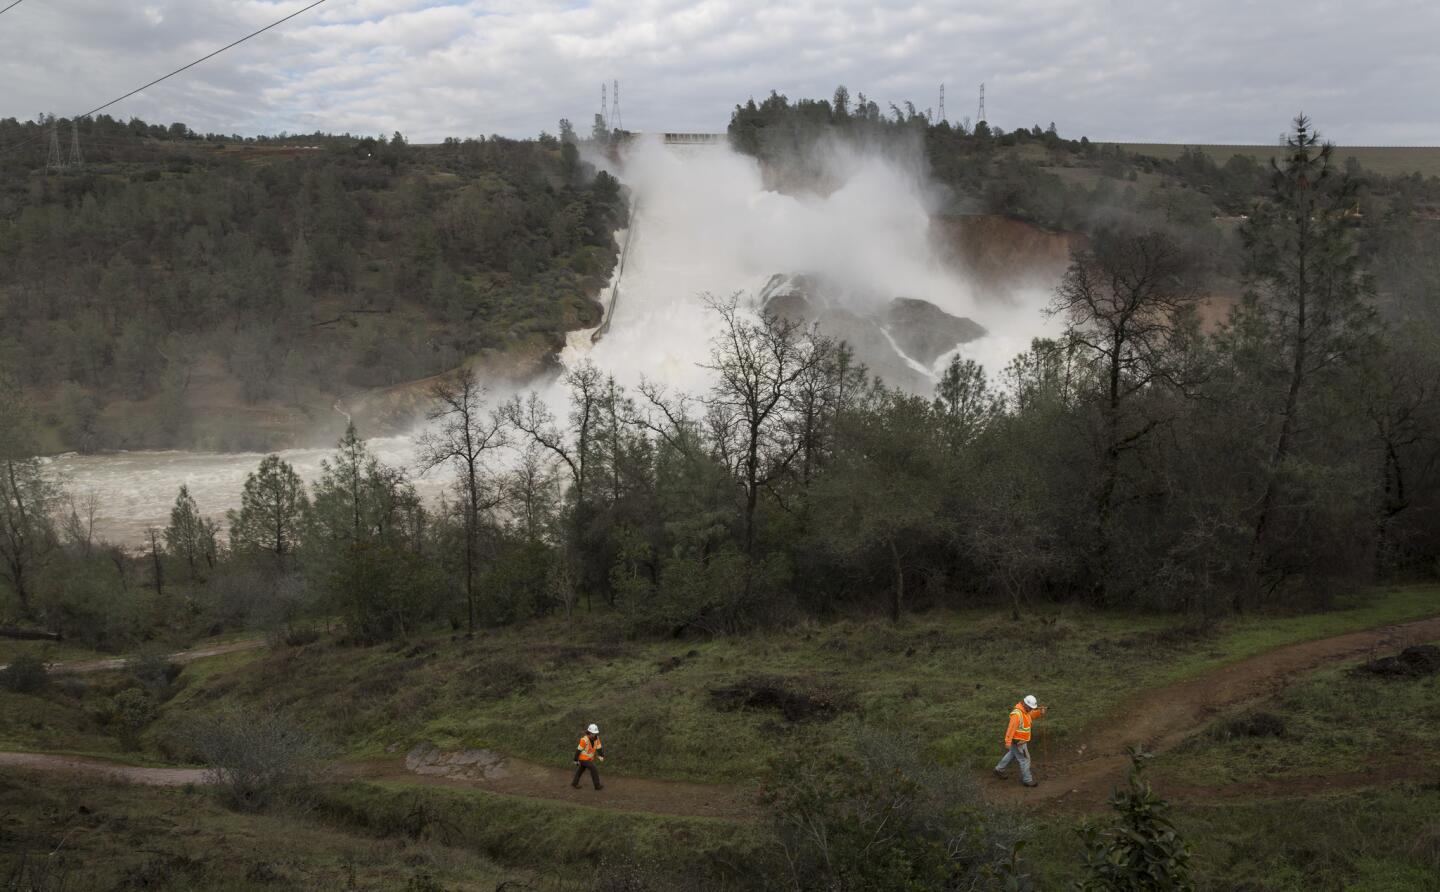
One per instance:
[(54, 160), (76, 159), (980, 115)]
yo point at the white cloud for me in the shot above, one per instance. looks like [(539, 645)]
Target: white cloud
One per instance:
[(1113, 69)]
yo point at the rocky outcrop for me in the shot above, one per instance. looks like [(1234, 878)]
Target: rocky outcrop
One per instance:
[(901, 342), (925, 332), (475, 764)]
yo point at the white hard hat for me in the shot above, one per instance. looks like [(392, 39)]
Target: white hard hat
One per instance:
[(595, 729), (1030, 701)]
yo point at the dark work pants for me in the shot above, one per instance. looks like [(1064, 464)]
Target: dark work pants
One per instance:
[(580, 768)]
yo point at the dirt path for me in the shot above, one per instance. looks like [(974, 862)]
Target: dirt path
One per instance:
[(74, 667), (149, 777), (512, 777), (504, 776), (1162, 717)]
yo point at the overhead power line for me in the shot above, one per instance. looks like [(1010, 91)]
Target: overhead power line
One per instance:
[(13, 147), (202, 58)]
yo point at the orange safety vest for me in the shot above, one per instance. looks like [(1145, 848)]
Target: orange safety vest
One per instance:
[(587, 748), (1019, 725)]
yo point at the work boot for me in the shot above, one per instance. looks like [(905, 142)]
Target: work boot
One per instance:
[(575, 786), (599, 788), (998, 773), (1030, 783)]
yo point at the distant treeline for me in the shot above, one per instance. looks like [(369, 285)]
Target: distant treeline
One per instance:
[(1018, 173)]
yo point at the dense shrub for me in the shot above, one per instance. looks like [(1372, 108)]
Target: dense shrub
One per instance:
[(881, 817), (255, 757), (131, 711), (26, 674)]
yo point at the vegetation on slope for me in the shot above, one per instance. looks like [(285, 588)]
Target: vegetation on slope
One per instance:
[(170, 283)]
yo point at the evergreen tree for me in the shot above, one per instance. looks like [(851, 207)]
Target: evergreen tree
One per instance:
[(273, 506), (1307, 314), (191, 537), (1141, 851)]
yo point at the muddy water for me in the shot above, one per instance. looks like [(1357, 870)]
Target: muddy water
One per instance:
[(136, 490)]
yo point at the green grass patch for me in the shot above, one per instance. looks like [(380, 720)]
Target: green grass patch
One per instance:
[(1334, 722), (1254, 634), (49, 651), (100, 835), (1382, 840), (521, 832)]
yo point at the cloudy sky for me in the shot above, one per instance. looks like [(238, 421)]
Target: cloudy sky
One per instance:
[(1198, 71)]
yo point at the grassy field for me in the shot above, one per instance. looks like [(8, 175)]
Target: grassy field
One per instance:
[(948, 679), (1333, 722), (1387, 160)]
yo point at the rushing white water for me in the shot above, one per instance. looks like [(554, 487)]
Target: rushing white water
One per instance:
[(708, 225), (705, 223)]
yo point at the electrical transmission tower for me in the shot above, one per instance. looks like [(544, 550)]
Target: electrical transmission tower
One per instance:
[(54, 160), (615, 106), (76, 159), (980, 115), (604, 105)]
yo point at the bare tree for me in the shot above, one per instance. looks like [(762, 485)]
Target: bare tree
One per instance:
[(573, 446), (466, 433), (531, 492), (79, 524), (28, 500), (1129, 310), (156, 564), (759, 364)]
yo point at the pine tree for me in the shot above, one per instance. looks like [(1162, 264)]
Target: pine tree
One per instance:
[(1141, 851), (273, 506)]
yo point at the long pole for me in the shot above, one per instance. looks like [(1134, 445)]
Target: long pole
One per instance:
[(1045, 741)]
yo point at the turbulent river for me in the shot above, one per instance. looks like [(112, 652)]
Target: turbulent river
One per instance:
[(704, 223)]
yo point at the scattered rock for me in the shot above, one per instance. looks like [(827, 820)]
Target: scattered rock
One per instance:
[(476, 764), (1420, 661)]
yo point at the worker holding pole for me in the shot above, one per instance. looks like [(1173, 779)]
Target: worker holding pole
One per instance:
[(587, 752), (1017, 739)]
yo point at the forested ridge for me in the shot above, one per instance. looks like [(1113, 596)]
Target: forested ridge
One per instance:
[(172, 280)]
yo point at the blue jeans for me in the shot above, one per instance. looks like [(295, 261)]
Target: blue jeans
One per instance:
[(1018, 752)]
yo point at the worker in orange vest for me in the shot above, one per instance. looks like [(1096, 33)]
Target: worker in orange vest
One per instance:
[(587, 752), (1017, 739)]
